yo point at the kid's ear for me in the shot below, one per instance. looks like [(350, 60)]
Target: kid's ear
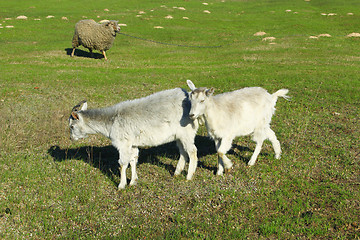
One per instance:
[(191, 85), (209, 92), (75, 115), (84, 106)]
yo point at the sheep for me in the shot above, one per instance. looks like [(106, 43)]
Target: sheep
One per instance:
[(150, 121), (93, 35), (238, 113)]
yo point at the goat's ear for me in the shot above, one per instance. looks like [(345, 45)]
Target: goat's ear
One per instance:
[(209, 92), (191, 85), (84, 106), (75, 115)]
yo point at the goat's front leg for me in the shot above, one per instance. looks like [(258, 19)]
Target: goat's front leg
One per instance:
[(222, 147), (126, 155)]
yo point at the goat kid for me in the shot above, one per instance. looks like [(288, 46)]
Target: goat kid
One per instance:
[(238, 113), (150, 121)]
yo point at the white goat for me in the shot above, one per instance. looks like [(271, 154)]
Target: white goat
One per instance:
[(238, 113), (150, 121)]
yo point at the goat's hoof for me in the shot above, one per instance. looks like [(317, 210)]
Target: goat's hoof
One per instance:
[(188, 178), (250, 163), (227, 170), (219, 173), (177, 175), (228, 167), (121, 187), (133, 183)]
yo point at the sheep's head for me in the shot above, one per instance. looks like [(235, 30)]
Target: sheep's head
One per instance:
[(113, 25), (198, 98), (76, 122)]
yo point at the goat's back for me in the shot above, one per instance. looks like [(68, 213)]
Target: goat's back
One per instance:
[(242, 111), (161, 106), (233, 102), (156, 119)]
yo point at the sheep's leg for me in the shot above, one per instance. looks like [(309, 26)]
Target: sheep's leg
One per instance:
[(223, 146), (91, 53), (103, 52), (123, 176), (133, 162), (182, 160), (275, 143), (72, 53)]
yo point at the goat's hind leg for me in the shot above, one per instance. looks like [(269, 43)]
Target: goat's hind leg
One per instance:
[(191, 151), (123, 176), (182, 160), (275, 143), (259, 138), (133, 162)]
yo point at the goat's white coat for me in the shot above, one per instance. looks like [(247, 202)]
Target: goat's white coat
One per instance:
[(238, 113), (150, 121)]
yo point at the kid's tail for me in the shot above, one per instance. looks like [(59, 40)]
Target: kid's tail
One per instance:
[(280, 93)]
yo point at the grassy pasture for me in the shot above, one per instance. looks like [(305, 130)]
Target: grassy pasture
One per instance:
[(51, 187)]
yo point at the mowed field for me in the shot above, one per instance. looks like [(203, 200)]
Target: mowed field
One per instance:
[(53, 188)]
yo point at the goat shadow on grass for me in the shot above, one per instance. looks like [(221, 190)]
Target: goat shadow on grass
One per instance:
[(106, 158), (85, 54)]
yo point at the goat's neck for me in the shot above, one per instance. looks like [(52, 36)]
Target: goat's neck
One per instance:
[(210, 114), (98, 125)]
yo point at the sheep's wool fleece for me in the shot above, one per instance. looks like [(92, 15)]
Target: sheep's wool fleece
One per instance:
[(93, 35)]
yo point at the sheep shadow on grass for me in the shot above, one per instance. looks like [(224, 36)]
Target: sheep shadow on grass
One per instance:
[(106, 158), (85, 54)]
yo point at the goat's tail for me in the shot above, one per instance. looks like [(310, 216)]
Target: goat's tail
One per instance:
[(280, 93)]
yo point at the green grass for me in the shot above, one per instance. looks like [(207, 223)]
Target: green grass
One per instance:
[(51, 187)]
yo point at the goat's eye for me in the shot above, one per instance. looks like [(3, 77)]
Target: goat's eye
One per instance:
[(202, 101)]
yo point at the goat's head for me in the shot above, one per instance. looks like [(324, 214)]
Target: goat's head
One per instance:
[(198, 98), (76, 122)]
